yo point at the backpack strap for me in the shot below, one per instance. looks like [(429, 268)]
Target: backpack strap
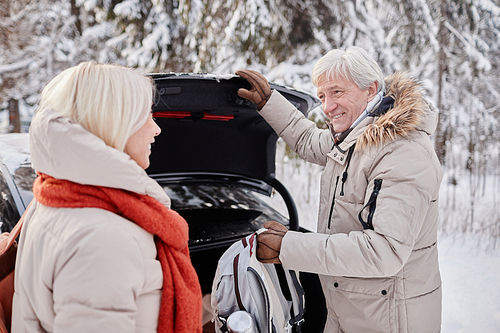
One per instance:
[(4, 246), (236, 260), (289, 294), (8, 247), (263, 297), (236, 283), (297, 299)]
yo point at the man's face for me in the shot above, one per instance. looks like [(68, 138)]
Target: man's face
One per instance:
[(342, 100)]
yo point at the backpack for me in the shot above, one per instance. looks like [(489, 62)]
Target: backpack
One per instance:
[(273, 296)]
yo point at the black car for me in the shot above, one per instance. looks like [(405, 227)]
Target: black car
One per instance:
[(214, 154)]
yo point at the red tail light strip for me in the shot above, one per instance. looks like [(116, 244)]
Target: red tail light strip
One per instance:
[(181, 115), (217, 117), (171, 114)]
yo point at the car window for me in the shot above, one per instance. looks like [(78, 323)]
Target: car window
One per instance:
[(24, 176), (8, 212), (210, 197), (215, 213)]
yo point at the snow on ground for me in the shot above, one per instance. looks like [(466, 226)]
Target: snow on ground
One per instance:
[(471, 286)]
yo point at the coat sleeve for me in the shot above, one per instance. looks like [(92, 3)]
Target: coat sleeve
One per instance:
[(96, 282), (301, 134), (401, 208)]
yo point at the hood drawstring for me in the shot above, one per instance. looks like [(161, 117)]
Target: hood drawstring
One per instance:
[(345, 174)]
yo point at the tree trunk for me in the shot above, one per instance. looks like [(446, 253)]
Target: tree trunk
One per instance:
[(75, 11), (15, 121), (442, 128)]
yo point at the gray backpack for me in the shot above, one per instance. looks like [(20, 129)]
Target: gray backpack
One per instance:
[(273, 296)]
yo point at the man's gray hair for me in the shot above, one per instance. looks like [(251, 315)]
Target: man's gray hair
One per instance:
[(351, 64)]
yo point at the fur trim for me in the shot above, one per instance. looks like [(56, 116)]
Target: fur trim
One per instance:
[(404, 118)]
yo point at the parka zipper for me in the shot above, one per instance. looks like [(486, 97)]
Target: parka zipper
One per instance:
[(333, 202), (344, 178), (372, 204)]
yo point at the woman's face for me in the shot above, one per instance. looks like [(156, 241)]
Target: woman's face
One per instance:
[(138, 146)]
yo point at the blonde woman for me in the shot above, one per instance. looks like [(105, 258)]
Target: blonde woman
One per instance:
[(100, 250)]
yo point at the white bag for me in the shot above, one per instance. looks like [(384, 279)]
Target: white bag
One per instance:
[(272, 295)]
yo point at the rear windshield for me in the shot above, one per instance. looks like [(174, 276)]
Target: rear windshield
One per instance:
[(220, 212)]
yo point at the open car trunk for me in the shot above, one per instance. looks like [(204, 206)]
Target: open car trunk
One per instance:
[(207, 128), (214, 152), (212, 137)]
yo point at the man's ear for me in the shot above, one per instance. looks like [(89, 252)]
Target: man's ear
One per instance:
[(372, 91)]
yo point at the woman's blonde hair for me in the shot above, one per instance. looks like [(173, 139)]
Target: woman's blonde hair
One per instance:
[(351, 64), (109, 101)]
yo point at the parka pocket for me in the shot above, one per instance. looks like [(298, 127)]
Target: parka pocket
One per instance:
[(396, 223), (364, 305), (345, 216)]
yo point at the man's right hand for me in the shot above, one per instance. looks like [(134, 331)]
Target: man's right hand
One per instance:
[(269, 242), (260, 91)]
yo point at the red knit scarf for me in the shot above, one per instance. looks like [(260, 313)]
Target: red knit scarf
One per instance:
[(180, 309)]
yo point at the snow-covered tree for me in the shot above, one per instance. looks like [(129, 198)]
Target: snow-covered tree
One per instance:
[(39, 38), (452, 46)]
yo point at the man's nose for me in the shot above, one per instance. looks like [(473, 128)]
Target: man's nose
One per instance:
[(329, 105)]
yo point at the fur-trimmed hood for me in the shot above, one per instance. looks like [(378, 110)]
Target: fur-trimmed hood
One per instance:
[(411, 112)]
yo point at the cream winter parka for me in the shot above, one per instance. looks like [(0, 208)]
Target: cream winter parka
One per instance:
[(386, 279), (85, 269)]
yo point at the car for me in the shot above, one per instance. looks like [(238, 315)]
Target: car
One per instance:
[(16, 178), (215, 158)]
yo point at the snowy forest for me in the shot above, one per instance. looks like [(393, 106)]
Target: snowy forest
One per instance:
[(452, 46)]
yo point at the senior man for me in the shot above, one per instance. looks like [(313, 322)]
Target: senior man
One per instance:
[(375, 248)]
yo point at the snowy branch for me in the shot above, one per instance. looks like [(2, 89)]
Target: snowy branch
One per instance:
[(470, 49), (42, 57), (16, 66), (11, 20)]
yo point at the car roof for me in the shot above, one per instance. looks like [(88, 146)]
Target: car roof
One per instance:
[(14, 150)]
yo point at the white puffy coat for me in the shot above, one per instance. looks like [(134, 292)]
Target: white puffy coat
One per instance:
[(85, 269)]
